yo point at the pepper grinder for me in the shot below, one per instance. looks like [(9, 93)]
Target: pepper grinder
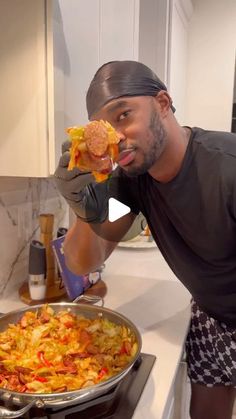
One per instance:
[(37, 270), (53, 290)]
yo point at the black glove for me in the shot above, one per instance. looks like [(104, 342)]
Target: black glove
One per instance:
[(88, 199)]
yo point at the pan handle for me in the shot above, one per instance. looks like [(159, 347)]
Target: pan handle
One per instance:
[(11, 414), (90, 299)]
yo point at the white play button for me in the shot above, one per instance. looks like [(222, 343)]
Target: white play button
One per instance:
[(116, 209)]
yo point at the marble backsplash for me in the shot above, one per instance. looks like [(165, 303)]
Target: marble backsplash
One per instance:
[(22, 200)]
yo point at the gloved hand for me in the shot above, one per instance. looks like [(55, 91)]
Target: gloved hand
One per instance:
[(88, 199)]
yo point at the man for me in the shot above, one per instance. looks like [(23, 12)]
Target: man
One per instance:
[(184, 181)]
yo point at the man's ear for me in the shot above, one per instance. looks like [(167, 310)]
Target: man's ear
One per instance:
[(164, 102)]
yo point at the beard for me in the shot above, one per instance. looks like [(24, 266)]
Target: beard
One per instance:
[(155, 145)]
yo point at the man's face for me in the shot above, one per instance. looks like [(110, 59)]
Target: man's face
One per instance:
[(141, 132)]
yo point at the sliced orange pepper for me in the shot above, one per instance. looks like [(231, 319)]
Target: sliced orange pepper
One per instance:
[(100, 177), (113, 151)]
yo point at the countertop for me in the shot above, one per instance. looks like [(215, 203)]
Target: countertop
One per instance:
[(141, 286)]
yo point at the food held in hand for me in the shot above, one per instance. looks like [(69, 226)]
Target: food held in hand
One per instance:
[(94, 148)]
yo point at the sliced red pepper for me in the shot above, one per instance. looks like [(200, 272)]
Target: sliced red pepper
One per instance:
[(40, 366), (40, 379), (69, 324), (65, 339), (122, 350), (125, 348), (23, 389), (42, 359), (102, 372)]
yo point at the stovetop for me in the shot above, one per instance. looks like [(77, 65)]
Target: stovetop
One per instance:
[(119, 403)]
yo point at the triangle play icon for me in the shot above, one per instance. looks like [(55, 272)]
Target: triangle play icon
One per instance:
[(116, 209)]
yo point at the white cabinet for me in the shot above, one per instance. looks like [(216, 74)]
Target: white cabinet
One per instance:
[(182, 393), (119, 29), (27, 93), (154, 36), (180, 14), (95, 31), (163, 45), (122, 30), (50, 50)]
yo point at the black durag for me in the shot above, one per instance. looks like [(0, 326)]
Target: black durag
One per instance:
[(121, 78)]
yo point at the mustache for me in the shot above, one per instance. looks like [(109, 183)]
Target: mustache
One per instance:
[(123, 147)]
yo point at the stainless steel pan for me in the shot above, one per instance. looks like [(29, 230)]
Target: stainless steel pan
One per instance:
[(70, 397)]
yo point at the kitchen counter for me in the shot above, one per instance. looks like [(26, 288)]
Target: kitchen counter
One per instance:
[(141, 286)]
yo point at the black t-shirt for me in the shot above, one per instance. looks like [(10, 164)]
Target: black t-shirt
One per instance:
[(193, 219)]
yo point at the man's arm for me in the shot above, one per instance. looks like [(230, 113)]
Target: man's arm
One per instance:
[(92, 238), (88, 245)]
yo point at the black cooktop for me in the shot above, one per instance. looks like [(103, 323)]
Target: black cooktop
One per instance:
[(119, 403)]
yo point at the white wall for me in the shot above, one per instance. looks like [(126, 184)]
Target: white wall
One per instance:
[(211, 63), (22, 200)]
